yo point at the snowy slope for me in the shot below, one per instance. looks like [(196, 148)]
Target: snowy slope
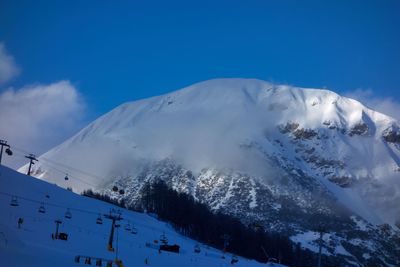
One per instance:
[(32, 244), (285, 157)]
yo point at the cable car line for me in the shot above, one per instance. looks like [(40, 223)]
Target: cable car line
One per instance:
[(61, 165)]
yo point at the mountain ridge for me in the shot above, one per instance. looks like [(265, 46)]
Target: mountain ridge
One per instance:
[(275, 154)]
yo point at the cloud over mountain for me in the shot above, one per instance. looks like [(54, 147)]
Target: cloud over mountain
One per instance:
[(8, 67), (38, 117)]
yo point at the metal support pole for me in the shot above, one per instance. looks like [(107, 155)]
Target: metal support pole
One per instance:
[(31, 158)]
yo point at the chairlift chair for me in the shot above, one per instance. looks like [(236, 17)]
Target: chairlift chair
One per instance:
[(98, 262), (14, 201), (42, 209), (128, 227), (272, 260), (163, 239), (134, 230), (68, 214), (197, 248), (99, 220), (234, 259), (8, 151), (88, 261)]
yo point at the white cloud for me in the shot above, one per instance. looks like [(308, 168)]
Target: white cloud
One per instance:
[(36, 118), (385, 105), (8, 67)]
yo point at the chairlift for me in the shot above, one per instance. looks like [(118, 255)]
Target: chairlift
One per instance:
[(14, 201), (42, 209), (8, 151), (117, 225), (134, 230), (234, 259), (272, 260), (99, 220), (66, 178), (163, 239), (128, 227), (197, 248), (88, 261), (68, 214)]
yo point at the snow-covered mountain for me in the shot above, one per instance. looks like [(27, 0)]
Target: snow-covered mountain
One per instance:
[(30, 244), (290, 159)]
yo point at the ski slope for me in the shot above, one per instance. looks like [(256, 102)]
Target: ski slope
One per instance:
[(32, 245)]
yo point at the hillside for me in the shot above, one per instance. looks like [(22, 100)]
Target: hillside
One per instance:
[(32, 245)]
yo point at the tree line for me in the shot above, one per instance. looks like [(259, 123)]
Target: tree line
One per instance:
[(195, 220)]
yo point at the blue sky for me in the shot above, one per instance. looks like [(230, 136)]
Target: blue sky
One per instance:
[(117, 51)]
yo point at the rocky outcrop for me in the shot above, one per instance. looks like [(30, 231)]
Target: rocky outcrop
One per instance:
[(342, 181), (391, 135), (298, 133), (359, 129), (289, 127)]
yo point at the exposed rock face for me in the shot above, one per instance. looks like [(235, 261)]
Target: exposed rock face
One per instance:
[(342, 181), (304, 133), (289, 127), (294, 207), (359, 129), (392, 135), (299, 133)]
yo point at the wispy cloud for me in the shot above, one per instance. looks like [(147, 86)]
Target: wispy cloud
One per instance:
[(8, 67), (38, 117), (385, 105)]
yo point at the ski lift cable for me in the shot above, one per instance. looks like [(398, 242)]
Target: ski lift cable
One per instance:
[(49, 166), (65, 207), (52, 167), (49, 204), (62, 165), (71, 168), (69, 175), (71, 208)]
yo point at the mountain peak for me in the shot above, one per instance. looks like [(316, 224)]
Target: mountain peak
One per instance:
[(263, 130)]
